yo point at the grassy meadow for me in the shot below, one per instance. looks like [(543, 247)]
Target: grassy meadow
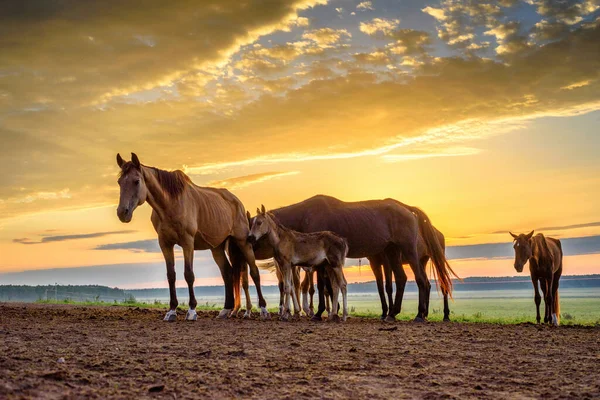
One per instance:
[(578, 306)]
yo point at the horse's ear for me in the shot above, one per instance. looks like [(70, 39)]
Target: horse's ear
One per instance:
[(262, 208), (135, 160), (513, 235), (249, 216), (120, 161), (257, 210), (529, 235)]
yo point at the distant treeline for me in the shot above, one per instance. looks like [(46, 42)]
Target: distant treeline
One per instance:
[(103, 293), (61, 292), (468, 284)]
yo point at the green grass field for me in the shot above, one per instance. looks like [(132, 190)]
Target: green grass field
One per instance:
[(578, 307)]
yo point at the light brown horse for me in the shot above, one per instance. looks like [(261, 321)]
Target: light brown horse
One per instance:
[(292, 249), (193, 217), (545, 265)]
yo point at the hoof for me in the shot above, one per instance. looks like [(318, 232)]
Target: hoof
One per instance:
[(420, 319), (389, 318), (554, 320), (224, 313), (285, 317), (171, 316), (191, 315), (316, 318), (248, 314), (334, 318), (446, 319), (280, 311), (264, 314)]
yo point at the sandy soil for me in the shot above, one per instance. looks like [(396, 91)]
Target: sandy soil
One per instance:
[(115, 352)]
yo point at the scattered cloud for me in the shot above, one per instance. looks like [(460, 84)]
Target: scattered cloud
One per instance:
[(365, 5), (61, 238), (247, 180), (138, 246)]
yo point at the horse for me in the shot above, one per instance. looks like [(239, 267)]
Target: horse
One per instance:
[(545, 256), (386, 229), (193, 217), (292, 249)]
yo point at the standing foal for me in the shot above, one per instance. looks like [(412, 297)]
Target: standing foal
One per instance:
[(292, 249)]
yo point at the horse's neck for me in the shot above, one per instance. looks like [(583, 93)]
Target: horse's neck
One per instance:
[(276, 234), (156, 196), (538, 248)]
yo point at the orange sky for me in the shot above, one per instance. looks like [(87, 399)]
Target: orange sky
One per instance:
[(484, 114)]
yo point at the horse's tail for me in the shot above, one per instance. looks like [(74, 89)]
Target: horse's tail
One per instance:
[(441, 268), (237, 263), (556, 298)]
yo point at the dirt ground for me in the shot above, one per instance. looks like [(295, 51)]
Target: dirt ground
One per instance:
[(56, 351)]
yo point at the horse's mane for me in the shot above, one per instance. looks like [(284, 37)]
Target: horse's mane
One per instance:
[(172, 182)]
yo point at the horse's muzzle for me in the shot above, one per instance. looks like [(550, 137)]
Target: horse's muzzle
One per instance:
[(125, 214)]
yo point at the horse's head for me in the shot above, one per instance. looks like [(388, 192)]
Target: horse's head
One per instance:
[(133, 187), (523, 252), (260, 224)]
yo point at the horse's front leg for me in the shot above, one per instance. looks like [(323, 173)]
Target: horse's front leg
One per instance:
[(188, 273), (167, 250), (248, 313), (246, 249), (544, 287), (286, 271), (536, 298)]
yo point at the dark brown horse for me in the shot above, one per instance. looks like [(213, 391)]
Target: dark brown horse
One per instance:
[(374, 228), (193, 217), (545, 266)]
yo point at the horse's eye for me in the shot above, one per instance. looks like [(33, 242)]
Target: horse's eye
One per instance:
[(137, 181)]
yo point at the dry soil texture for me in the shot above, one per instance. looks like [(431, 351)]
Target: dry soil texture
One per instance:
[(115, 352)]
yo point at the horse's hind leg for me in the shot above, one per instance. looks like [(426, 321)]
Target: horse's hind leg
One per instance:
[(556, 306), (342, 284), (305, 285), (321, 290), (220, 258), (375, 263), (335, 292), (311, 291), (410, 255)]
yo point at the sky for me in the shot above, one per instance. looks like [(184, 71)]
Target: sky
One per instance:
[(483, 113)]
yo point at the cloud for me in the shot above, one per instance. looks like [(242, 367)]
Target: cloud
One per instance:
[(247, 180), (376, 26), (431, 153), (326, 37), (365, 5), (138, 246), (132, 50), (61, 238), (567, 11), (330, 106), (559, 228)]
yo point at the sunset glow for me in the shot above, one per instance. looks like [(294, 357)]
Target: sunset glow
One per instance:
[(483, 114)]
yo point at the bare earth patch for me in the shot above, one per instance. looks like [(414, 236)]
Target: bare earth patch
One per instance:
[(118, 352)]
